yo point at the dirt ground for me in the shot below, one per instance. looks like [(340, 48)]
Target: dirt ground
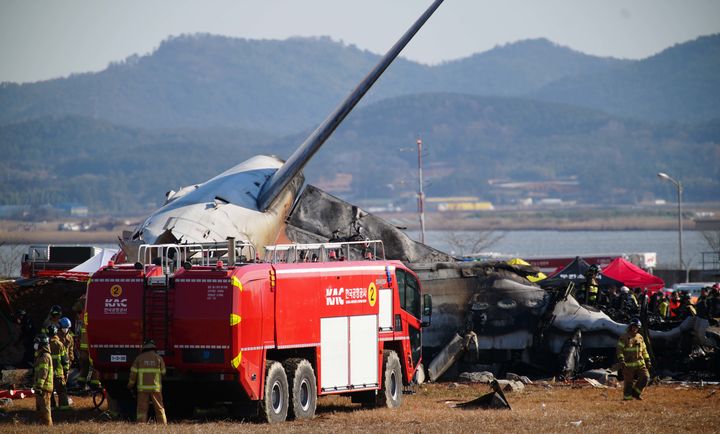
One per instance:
[(539, 408)]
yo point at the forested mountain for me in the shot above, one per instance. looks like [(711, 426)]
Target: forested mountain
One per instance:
[(55, 160), (518, 69), (469, 140), (680, 83), (204, 81), (117, 140)]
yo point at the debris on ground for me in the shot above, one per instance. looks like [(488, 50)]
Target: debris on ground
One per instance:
[(511, 386), (484, 377), (516, 377), (580, 382), (10, 377), (493, 400), (603, 376)]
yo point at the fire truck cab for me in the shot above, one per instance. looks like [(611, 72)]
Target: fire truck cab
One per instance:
[(266, 336)]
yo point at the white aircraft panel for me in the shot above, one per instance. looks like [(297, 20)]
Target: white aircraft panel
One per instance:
[(385, 301), (363, 350), (334, 352)]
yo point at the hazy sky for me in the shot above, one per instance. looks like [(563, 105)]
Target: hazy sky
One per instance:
[(41, 39)]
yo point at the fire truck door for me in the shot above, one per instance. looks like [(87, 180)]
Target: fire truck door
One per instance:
[(348, 352)]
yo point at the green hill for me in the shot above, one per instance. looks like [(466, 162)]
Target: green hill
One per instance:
[(517, 69), (203, 81), (117, 140), (680, 83), (469, 140), (58, 160)]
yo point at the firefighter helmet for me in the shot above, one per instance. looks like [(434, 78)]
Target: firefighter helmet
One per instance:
[(594, 269), (636, 322), (42, 340), (52, 330), (64, 323), (149, 344), (56, 310)]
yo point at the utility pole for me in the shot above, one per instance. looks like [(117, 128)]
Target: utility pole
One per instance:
[(421, 195), (678, 185)]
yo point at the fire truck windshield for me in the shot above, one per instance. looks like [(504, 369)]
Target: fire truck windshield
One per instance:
[(409, 290)]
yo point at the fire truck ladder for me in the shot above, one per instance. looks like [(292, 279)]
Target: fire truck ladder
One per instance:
[(159, 294), (158, 306)]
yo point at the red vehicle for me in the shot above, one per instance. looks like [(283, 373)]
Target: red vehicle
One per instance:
[(270, 335), (50, 260)]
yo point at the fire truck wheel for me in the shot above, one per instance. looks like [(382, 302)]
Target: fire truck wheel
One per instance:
[(390, 395), (303, 388), (274, 406)]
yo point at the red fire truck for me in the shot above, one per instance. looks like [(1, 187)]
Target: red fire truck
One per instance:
[(273, 335)]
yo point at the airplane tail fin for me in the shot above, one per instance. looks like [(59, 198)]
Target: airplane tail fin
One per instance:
[(280, 179)]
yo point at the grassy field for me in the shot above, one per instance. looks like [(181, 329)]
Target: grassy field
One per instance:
[(538, 409)]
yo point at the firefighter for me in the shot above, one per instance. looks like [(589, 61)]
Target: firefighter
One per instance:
[(628, 301), (634, 361), (674, 304), (146, 374), (53, 318), (701, 305), (591, 285), (686, 307), (60, 367), (88, 375), (43, 379), (663, 306), (27, 336), (67, 338), (713, 304)]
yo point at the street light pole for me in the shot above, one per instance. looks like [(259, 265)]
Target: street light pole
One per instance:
[(678, 185), (421, 195)]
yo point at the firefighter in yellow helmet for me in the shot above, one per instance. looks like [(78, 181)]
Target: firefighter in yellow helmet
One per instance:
[(43, 379), (146, 374), (634, 361)]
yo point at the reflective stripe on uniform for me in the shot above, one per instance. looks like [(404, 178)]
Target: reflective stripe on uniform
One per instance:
[(155, 386)]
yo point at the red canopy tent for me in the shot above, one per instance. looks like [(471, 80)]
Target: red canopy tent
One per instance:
[(632, 276)]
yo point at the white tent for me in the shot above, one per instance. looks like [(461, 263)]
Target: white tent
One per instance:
[(93, 264)]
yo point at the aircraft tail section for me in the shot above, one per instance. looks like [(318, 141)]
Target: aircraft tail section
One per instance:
[(275, 185)]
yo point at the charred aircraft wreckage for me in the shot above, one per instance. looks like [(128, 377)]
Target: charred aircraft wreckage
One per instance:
[(485, 313)]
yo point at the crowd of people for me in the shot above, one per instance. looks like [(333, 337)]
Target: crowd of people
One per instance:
[(624, 303), (53, 351)]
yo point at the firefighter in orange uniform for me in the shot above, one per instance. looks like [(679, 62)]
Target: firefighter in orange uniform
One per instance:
[(634, 361), (146, 373), (43, 380)]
